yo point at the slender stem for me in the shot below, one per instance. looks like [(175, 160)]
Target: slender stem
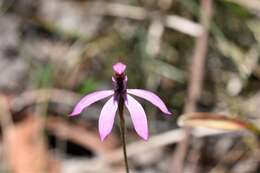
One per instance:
[(122, 131)]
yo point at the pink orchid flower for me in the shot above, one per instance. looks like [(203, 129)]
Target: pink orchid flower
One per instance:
[(108, 112)]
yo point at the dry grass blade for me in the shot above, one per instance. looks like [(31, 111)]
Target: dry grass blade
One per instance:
[(212, 120), (154, 37), (138, 13), (119, 10), (167, 70), (236, 54), (183, 25)]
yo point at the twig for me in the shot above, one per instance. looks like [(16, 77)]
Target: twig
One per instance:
[(198, 61), (197, 73)]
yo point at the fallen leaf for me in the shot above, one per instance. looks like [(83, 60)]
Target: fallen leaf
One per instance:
[(217, 121)]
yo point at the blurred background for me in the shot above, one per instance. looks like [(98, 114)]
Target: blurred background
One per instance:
[(197, 55)]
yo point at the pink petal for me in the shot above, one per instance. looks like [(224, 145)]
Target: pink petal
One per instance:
[(119, 68), (89, 99), (106, 119), (151, 97), (138, 117)]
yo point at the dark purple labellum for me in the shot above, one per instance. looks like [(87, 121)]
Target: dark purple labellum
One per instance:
[(120, 86)]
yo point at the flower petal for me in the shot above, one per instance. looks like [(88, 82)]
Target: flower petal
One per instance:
[(138, 117), (151, 97), (107, 116), (89, 99)]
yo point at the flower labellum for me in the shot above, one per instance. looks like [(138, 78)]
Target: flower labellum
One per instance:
[(108, 112)]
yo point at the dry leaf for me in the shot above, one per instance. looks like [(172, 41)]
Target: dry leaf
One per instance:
[(25, 149), (212, 120)]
